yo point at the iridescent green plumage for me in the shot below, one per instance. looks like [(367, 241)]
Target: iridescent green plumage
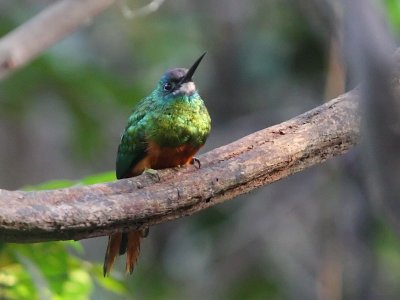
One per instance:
[(168, 119), (164, 130)]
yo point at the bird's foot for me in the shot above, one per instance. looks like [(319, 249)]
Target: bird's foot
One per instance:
[(152, 173), (195, 161)]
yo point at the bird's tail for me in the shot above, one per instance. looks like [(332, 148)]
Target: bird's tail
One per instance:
[(119, 243)]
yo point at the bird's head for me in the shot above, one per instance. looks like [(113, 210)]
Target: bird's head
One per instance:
[(178, 82)]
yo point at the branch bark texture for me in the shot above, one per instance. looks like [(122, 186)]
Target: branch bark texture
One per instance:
[(51, 25), (253, 161)]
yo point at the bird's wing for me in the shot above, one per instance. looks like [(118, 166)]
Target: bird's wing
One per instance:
[(133, 145), (131, 150)]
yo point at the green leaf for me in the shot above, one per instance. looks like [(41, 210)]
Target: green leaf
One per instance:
[(50, 185), (59, 184), (99, 178), (49, 270), (393, 11)]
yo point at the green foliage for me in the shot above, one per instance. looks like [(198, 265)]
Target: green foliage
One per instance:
[(51, 185), (43, 271), (59, 184), (393, 11), (52, 270)]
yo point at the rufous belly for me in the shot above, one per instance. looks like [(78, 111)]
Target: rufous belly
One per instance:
[(164, 157)]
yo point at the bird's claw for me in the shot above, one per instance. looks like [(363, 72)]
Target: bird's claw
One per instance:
[(153, 173), (195, 161)]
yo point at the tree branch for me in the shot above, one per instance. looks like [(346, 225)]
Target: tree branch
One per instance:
[(255, 160), (51, 25)]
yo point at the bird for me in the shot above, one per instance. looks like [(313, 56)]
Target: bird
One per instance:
[(165, 129)]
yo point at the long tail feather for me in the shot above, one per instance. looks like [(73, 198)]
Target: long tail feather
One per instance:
[(113, 248), (133, 249)]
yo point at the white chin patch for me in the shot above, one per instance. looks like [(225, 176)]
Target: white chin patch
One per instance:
[(187, 88)]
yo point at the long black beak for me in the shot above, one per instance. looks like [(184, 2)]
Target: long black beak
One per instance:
[(189, 74)]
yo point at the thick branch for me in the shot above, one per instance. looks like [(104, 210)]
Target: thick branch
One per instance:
[(255, 160), (51, 25)]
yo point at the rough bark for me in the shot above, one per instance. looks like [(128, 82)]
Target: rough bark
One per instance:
[(253, 161)]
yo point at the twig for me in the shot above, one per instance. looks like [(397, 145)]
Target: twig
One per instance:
[(255, 160), (51, 25)]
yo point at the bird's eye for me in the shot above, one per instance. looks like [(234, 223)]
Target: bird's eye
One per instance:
[(168, 87)]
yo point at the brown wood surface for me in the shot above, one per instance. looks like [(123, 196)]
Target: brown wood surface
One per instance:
[(226, 172)]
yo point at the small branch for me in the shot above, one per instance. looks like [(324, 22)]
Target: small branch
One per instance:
[(51, 25), (253, 161)]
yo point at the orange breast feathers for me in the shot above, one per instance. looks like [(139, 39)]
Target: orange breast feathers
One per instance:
[(164, 157)]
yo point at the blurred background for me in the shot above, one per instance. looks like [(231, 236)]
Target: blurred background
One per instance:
[(314, 235)]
